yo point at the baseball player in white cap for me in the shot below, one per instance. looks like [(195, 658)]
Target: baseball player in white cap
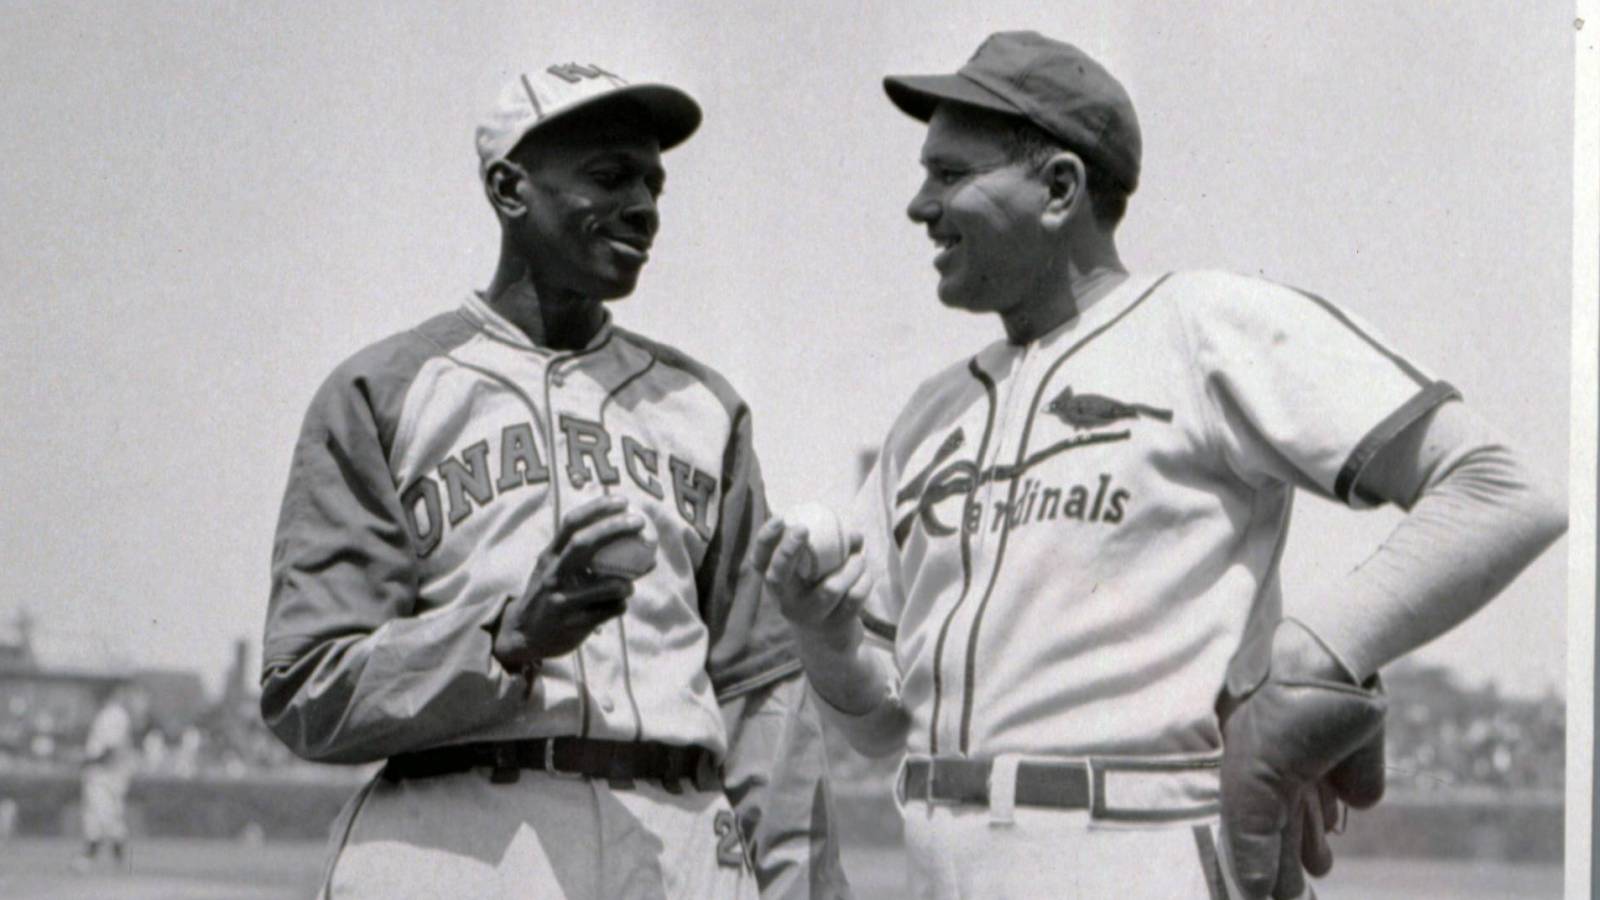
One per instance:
[(510, 564), (1067, 611)]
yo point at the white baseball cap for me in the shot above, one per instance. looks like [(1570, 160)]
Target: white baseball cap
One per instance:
[(534, 98)]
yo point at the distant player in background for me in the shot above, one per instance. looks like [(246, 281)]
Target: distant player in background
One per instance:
[(1068, 609), (110, 757), (8, 819), (511, 562)]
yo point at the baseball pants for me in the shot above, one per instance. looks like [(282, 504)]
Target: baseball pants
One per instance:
[(1016, 852), (105, 807), (543, 836)]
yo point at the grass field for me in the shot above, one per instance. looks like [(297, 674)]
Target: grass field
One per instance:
[(33, 869), (162, 870), (879, 874)]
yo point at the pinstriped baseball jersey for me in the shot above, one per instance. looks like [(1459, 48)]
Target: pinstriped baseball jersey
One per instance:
[(432, 471), (1072, 537)]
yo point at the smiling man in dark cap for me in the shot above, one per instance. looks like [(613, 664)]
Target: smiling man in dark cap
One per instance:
[(1067, 609), (510, 565)]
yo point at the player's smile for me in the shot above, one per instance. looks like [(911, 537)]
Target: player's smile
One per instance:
[(633, 249), (946, 245)]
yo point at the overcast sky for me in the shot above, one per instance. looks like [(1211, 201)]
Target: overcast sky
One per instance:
[(207, 206)]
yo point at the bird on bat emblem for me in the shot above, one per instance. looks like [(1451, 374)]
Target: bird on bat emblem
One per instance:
[(1094, 410)]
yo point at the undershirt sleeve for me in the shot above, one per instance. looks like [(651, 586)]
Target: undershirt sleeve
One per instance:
[(1477, 516)]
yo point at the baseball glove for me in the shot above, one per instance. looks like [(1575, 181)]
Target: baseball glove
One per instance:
[(1294, 747)]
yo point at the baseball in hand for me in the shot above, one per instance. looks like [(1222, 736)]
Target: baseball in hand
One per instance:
[(629, 556), (826, 542)]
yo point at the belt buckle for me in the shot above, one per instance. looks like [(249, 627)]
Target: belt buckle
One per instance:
[(550, 763)]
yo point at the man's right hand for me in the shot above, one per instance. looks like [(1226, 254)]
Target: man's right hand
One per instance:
[(564, 601), (827, 609), (825, 615)]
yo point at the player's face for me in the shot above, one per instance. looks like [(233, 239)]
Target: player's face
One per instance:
[(983, 214), (590, 193)]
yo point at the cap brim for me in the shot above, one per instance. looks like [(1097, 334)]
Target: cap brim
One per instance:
[(673, 114), (917, 95)]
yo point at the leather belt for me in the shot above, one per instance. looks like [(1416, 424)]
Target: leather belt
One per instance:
[(1052, 785), (619, 762)]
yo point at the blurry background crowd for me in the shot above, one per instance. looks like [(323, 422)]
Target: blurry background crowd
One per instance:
[(1442, 736)]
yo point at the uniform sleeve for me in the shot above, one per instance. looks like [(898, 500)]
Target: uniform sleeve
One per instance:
[(750, 642), (350, 673), (776, 770), (1477, 517), (1298, 390), (776, 776), (872, 514)]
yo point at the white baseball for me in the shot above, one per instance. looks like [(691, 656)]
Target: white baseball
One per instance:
[(826, 544)]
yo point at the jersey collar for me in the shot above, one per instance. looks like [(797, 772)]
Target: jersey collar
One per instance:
[(998, 357), (480, 313), (1097, 309)]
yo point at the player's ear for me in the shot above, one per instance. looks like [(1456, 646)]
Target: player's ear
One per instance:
[(1067, 182), (503, 183)]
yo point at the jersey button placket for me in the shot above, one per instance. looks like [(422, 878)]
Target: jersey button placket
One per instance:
[(999, 450), (554, 379), (953, 676), (599, 657), (993, 520)]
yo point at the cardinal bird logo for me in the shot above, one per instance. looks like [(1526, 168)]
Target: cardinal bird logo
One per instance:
[(1083, 411)]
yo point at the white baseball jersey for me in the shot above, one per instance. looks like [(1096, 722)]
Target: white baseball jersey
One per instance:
[(433, 470), (110, 737), (1073, 536)]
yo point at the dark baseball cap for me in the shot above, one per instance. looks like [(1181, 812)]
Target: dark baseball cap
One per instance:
[(1054, 85)]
